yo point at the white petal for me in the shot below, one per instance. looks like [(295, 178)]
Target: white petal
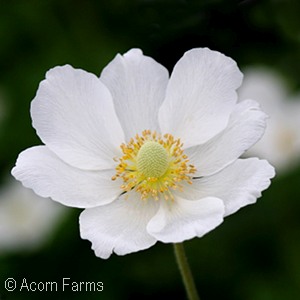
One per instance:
[(74, 116), (184, 219), (200, 96), (238, 185), (138, 85), (119, 227), (41, 170), (246, 126)]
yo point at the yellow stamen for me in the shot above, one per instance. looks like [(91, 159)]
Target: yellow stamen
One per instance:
[(153, 166)]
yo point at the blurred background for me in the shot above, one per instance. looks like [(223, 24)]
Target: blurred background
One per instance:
[(255, 254)]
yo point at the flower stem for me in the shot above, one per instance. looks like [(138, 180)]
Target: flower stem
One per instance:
[(185, 272)]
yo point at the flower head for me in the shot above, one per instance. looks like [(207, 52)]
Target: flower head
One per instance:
[(150, 158), (281, 142), (26, 220)]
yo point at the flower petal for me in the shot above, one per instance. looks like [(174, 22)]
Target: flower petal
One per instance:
[(41, 170), (246, 126), (184, 219), (200, 96), (119, 227), (138, 85), (238, 185), (74, 116)]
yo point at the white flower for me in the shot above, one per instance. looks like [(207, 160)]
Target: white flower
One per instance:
[(26, 220), (281, 142), (148, 157)]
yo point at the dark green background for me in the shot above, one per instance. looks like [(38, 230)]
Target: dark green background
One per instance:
[(255, 254)]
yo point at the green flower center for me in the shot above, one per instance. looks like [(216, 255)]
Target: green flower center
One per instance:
[(152, 159), (153, 165)]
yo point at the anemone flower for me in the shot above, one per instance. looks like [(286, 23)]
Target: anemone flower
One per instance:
[(150, 158)]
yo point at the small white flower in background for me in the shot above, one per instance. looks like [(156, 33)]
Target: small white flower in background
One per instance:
[(26, 220), (150, 158), (281, 141)]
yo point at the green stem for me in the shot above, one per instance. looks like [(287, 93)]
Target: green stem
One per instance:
[(185, 272)]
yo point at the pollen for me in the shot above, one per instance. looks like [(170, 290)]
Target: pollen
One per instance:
[(153, 166)]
